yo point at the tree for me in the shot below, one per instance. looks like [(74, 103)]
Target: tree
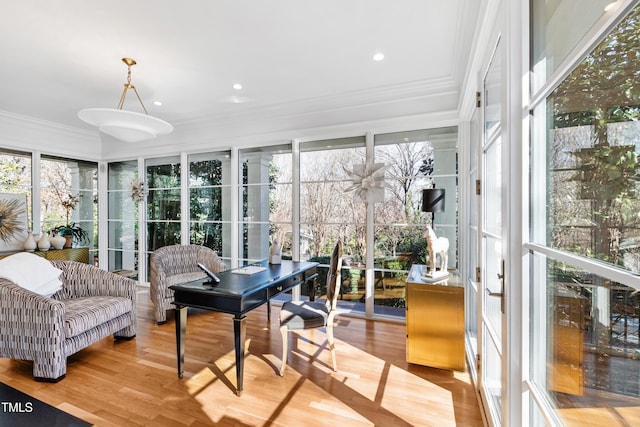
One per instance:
[(601, 92)]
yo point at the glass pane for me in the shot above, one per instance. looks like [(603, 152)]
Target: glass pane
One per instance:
[(472, 203), (15, 178), (492, 376), (283, 232), (163, 233), (122, 216), (206, 204), (493, 96), (163, 202), (123, 260), (121, 174), (492, 304), (210, 201), (68, 199), (416, 160), (163, 173), (589, 137), (121, 206), (332, 164), (123, 235), (15, 175), (586, 340), (205, 173), (492, 190), (557, 27), (267, 200), (328, 213), (209, 234), (163, 205)]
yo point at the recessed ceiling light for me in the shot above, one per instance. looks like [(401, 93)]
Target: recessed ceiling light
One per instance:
[(158, 103), (378, 56), (238, 99), (237, 86)]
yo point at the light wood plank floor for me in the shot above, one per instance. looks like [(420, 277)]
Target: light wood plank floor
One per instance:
[(134, 383)]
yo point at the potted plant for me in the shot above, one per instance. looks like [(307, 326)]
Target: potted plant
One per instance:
[(71, 230)]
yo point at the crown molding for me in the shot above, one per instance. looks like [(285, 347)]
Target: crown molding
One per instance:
[(21, 132), (191, 140), (361, 99)]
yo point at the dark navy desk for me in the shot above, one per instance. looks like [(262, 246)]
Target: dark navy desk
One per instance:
[(237, 294)]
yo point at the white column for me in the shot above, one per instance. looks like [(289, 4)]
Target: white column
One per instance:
[(370, 239), (236, 222), (258, 205), (103, 215), (185, 215), (227, 204)]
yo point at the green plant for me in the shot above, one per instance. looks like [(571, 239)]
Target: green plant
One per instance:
[(77, 233)]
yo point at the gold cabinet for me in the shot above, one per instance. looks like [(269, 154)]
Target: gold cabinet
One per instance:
[(71, 254), (435, 321), (566, 368)]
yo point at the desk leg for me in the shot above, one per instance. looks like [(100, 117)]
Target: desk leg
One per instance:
[(312, 289), (239, 333), (181, 331), (268, 311)]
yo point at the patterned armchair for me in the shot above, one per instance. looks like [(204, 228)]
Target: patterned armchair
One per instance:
[(174, 264), (91, 305)]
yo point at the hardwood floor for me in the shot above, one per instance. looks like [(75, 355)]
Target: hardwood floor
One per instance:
[(134, 383)]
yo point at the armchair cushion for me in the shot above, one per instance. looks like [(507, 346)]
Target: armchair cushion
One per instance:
[(31, 272), (177, 279), (83, 314)]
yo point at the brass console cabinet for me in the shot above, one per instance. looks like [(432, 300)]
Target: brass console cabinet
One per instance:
[(435, 321), (71, 254)]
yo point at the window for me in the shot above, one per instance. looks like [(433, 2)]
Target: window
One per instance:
[(210, 201), (416, 160), (122, 220), (585, 231), (163, 202), (559, 27), (68, 197), (329, 213), (266, 201), (15, 178)]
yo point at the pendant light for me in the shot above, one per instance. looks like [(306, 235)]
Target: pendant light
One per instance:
[(127, 126)]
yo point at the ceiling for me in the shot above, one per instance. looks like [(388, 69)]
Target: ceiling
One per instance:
[(307, 60)]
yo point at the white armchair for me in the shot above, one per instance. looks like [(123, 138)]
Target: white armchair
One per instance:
[(91, 305), (174, 264)]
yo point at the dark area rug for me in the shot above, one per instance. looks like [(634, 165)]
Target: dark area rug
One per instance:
[(19, 409)]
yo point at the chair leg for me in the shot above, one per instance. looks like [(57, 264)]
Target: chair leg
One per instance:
[(332, 346), (284, 332)]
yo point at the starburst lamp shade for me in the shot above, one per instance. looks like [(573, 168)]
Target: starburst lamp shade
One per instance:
[(127, 126), (433, 200)]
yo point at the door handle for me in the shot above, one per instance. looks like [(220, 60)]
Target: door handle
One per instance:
[(493, 294), (501, 293)]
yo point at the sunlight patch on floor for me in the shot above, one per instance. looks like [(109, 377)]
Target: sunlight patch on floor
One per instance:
[(329, 407), (199, 381)]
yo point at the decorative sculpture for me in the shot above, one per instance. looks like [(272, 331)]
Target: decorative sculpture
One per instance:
[(367, 182), (275, 253), (436, 246)]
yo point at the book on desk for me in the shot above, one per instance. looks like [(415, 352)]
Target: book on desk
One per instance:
[(249, 270)]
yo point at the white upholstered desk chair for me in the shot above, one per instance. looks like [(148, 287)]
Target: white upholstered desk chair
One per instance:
[(299, 315)]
